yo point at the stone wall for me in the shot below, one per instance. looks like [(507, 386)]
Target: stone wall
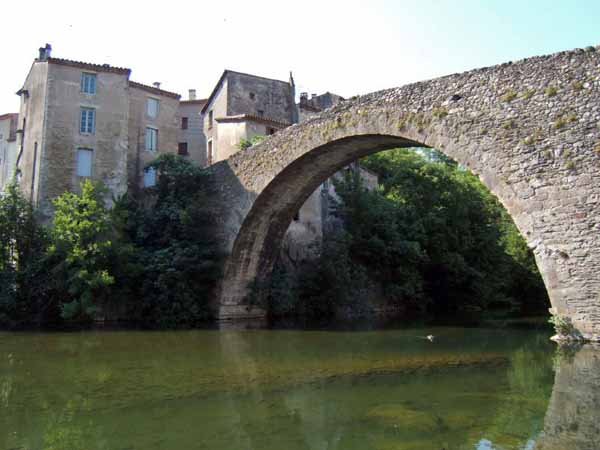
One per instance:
[(30, 131), (167, 124), (530, 130), (8, 148), (258, 96), (194, 135), (218, 106)]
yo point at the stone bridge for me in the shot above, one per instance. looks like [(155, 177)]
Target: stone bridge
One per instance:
[(529, 129)]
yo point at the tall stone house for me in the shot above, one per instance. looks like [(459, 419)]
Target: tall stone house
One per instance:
[(81, 120)]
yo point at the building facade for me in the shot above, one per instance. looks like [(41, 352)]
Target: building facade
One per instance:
[(192, 141), (82, 121), (242, 106), (8, 148)]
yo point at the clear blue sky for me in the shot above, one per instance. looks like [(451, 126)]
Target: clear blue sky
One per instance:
[(347, 47)]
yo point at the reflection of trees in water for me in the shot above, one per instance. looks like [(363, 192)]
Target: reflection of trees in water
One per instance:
[(260, 396), (73, 428), (519, 415)]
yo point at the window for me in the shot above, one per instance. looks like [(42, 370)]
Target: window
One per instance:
[(252, 96), (88, 83), (270, 131), (184, 123), (261, 113), (150, 177), (151, 139), (87, 125), (84, 162), (210, 152), (210, 119), (152, 107), (32, 191), (182, 148)]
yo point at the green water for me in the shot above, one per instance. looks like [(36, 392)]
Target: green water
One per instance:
[(275, 389)]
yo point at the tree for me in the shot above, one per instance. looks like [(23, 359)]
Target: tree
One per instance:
[(80, 236), (172, 229), (25, 285)]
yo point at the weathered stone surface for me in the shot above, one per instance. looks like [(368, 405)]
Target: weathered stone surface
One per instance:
[(530, 130)]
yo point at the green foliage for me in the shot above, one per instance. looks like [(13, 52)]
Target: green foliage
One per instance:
[(247, 143), (577, 85), (509, 96), (25, 283), (562, 325), (151, 259), (440, 113), (551, 91), (431, 239), (170, 234), (475, 256), (80, 237), (528, 94)]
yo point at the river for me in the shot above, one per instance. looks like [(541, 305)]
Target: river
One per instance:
[(288, 389)]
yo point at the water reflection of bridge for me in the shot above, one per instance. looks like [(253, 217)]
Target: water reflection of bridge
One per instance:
[(571, 421), (573, 418)]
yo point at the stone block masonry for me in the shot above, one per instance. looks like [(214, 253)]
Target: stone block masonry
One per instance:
[(530, 130)]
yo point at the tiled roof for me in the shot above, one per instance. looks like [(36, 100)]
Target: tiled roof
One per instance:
[(89, 66), (194, 102), (253, 118), (154, 90)]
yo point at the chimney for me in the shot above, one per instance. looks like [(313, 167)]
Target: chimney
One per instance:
[(303, 98), (44, 52), (192, 94), (156, 84)]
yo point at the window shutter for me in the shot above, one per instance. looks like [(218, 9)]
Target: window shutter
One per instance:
[(84, 162)]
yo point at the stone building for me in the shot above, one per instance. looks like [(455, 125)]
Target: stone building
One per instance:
[(153, 129), (8, 148), (308, 107), (242, 106), (191, 140), (80, 121)]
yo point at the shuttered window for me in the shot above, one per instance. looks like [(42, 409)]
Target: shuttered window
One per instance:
[(149, 177), (85, 157), (151, 139), (152, 107)]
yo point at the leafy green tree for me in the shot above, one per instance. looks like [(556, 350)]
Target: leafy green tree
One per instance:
[(476, 256), (247, 143), (171, 230), (25, 285), (432, 238), (81, 238)]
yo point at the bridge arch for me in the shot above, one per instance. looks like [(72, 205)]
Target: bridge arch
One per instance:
[(530, 130)]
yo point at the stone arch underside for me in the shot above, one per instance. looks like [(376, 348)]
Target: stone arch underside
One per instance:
[(530, 130)]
